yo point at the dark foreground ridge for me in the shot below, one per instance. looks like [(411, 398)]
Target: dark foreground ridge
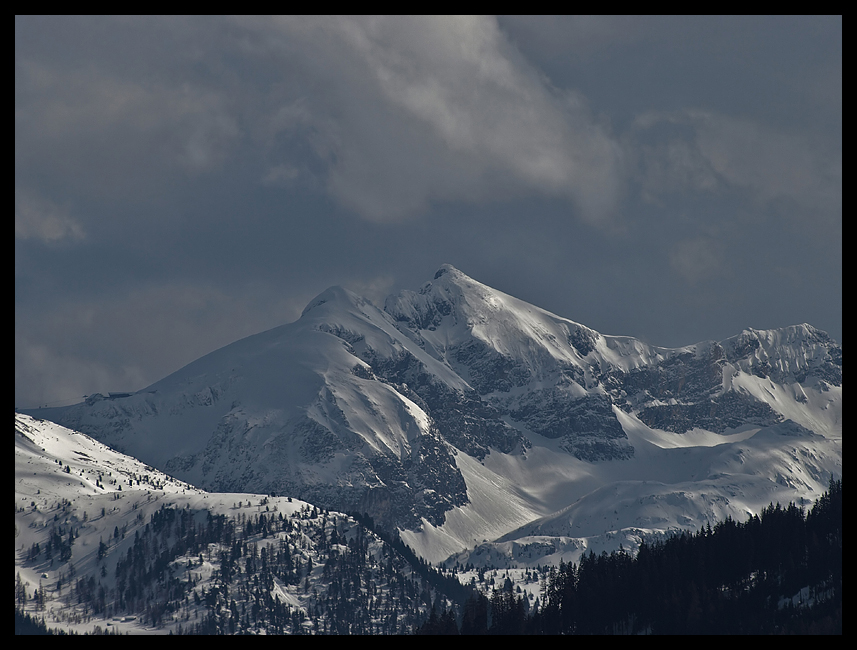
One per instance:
[(778, 573)]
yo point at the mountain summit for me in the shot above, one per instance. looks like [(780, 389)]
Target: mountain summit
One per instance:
[(459, 414)]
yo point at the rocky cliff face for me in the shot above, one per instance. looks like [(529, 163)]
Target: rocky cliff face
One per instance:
[(559, 379)]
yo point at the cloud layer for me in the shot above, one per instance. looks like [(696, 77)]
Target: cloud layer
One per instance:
[(178, 175), (397, 112), (437, 109)]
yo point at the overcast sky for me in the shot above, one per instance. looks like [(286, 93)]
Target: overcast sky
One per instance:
[(181, 183)]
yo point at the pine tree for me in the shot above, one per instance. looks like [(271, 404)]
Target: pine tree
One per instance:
[(20, 590)]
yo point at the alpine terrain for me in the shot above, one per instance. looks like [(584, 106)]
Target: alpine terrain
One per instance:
[(486, 430), (105, 543)]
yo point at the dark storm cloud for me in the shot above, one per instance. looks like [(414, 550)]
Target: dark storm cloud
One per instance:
[(416, 111), (182, 182)]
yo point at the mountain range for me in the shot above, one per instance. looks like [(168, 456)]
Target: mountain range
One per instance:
[(487, 430)]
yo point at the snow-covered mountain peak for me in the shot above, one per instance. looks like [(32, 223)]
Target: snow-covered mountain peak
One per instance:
[(450, 293), (787, 354), (462, 411), (451, 284), (451, 270), (454, 310), (336, 297)]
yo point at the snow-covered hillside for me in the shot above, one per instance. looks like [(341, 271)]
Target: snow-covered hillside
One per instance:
[(104, 540), (461, 415)]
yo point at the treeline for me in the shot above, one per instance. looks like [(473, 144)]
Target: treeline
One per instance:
[(777, 573), (216, 574), (30, 625), (26, 624), (447, 585)]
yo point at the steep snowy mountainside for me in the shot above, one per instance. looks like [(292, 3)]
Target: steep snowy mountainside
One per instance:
[(454, 309), (787, 354), (111, 542), (524, 362), (458, 413), (796, 370), (454, 316), (59, 463), (556, 378), (296, 410)]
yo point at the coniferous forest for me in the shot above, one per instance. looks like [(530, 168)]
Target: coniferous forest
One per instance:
[(777, 573), (199, 572)]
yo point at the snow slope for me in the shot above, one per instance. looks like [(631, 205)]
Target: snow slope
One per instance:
[(666, 487), (293, 411), (462, 415), (107, 497)]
